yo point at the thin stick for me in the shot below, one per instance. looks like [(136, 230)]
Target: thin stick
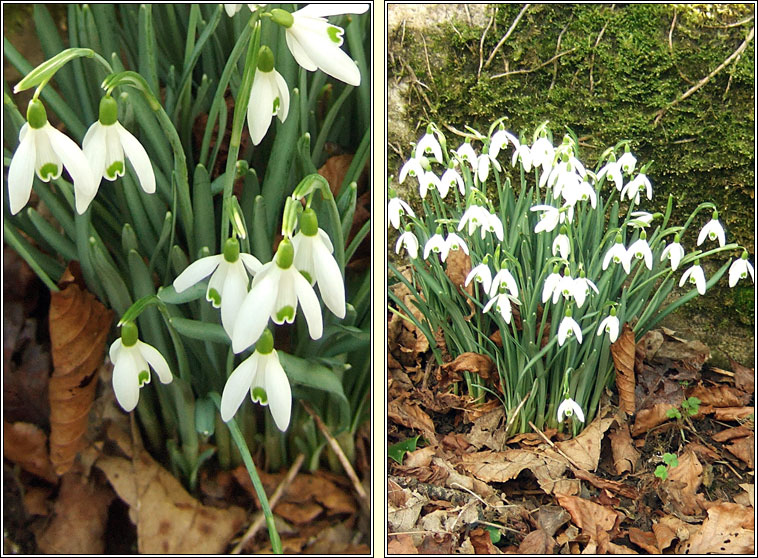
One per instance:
[(557, 48), (481, 42), (530, 70), (357, 486), (278, 493), (556, 448), (507, 34), (707, 78), (594, 49)]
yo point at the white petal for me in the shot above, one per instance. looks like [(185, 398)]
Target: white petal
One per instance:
[(94, 148), (196, 272), (255, 310), (299, 53), (85, 183), (330, 59), (237, 386), (155, 359), (278, 391), (114, 350), (125, 381), (234, 291), (260, 108), (138, 157), (252, 263), (21, 171), (329, 279), (284, 97), (326, 10), (309, 303)]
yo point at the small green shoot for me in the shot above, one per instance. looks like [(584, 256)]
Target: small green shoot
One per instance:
[(398, 451), (662, 471), (674, 413), (691, 406)]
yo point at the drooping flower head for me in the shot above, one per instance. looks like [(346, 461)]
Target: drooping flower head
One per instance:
[(739, 270), (396, 208), (45, 150), (569, 408), (409, 240), (568, 328), (713, 231), (132, 360), (696, 276), (269, 96), (619, 255), (673, 252), (482, 274), (640, 249), (261, 375), (610, 325)]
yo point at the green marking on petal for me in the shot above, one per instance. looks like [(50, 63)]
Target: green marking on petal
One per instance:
[(307, 276), (143, 377), (115, 170), (259, 395), (287, 313), (335, 34), (48, 171), (214, 297), (277, 104)]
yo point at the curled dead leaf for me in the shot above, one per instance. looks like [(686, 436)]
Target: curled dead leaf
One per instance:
[(623, 351), (584, 450), (26, 445), (719, 395), (79, 326), (599, 523), (457, 268), (744, 377), (476, 363), (624, 455), (650, 418), (682, 484), (723, 532)]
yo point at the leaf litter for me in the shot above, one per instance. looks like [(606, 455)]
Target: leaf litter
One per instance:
[(542, 492)]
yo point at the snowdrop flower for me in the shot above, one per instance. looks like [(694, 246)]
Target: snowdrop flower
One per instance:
[(499, 140), (466, 154), (627, 162), (45, 150), (674, 252), (641, 219), (232, 9), (314, 259), (633, 188), (269, 97), (612, 169), (618, 254), (610, 325), (739, 270), (581, 289), (409, 240), (429, 181), (412, 167), (483, 163), (436, 244), (229, 280), (543, 154), (561, 244), (130, 358), (567, 328), (641, 249), (107, 142), (477, 216), (524, 154), (566, 287), (713, 231), (482, 274), (569, 407), (696, 276), (453, 242), (503, 278), (502, 304), (552, 282), (262, 375), (275, 293), (450, 179), (428, 145), (315, 43), (395, 209), (549, 218)]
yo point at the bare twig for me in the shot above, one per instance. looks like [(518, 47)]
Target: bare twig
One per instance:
[(558, 48), (357, 486), (730, 25), (552, 445), (507, 34), (707, 78), (671, 46), (592, 58), (426, 57), (530, 70), (481, 42), (278, 493)]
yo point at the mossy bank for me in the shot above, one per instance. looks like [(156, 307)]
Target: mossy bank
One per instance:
[(615, 70)]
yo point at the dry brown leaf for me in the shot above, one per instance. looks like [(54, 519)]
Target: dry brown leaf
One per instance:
[(299, 514), (452, 372), (489, 430), (422, 457), (749, 492), (624, 455), (168, 519), (622, 351), (687, 356), (744, 377), (682, 484), (26, 445), (551, 518), (608, 484), (731, 433), (650, 418), (537, 542), (457, 268), (396, 494), (482, 542), (723, 532), (403, 518), (744, 448), (719, 395), (410, 415), (37, 500), (79, 518), (664, 535), (598, 522), (733, 413), (437, 544), (649, 344), (584, 450), (79, 326), (401, 544), (644, 540)]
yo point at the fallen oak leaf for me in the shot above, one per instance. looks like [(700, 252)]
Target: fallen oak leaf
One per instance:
[(623, 353), (649, 418), (744, 448), (481, 365), (723, 532), (682, 484), (584, 450), (598, 522), (401, 544)]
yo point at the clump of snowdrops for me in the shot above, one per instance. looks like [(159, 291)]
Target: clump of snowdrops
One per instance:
[(562, 258), (229, 277)]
